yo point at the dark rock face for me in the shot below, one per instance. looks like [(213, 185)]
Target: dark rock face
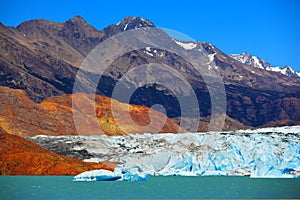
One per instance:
[(42, 58), (256, 108)]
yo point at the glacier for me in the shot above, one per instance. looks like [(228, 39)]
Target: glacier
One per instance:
[(266, 152)]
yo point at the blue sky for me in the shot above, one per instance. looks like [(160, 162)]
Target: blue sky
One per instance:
[(269, 29)]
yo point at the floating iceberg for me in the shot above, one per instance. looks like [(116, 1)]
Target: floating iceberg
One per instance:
[(120, 174), (97, 175)]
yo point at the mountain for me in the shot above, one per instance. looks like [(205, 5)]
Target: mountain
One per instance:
[(19, 156), (257, 62), (43, 57), (54, 116)]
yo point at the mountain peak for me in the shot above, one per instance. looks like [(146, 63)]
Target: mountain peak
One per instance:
[(130, 22), (289, 71), (257, 62), (77, 20), (136, 20)]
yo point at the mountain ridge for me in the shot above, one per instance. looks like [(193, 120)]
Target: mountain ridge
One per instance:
[(45, 62), (257, 62)]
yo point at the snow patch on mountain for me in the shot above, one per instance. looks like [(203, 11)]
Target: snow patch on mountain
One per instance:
[(125, 27), (186, 45), (210, 62), (257, 62)]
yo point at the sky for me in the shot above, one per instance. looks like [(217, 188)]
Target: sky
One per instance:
[(269, 29)]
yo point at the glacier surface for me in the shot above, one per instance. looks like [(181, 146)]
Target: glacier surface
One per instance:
[(268, 152)]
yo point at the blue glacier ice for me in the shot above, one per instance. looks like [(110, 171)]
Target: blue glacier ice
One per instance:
[(267, 152)]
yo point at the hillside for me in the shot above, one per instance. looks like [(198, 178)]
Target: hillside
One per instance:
[(54, 116), (19, 156)]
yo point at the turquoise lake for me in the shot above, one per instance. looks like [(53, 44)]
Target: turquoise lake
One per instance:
[(172, 187)]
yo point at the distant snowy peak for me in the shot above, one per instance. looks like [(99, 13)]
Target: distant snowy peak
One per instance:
[(250, 60), (287, 70), (257, 62)]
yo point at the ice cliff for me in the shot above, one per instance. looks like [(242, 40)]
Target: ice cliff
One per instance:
[(268, 152)]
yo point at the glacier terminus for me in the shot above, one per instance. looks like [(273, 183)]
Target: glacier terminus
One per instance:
[(265, 152)]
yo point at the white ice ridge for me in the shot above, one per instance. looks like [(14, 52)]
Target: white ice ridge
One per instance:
[(119, 174), (267, 152), (186, 45)]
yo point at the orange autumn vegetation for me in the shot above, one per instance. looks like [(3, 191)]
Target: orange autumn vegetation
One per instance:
[(19, 156), (19, 115)]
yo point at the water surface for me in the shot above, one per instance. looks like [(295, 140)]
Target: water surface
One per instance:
[(62, 187)]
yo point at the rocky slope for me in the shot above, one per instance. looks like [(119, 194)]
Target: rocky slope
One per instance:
[(19, 156), (42, 58), (54, 116)]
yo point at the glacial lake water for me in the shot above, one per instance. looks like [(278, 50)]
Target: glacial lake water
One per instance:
[(172, 187)]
